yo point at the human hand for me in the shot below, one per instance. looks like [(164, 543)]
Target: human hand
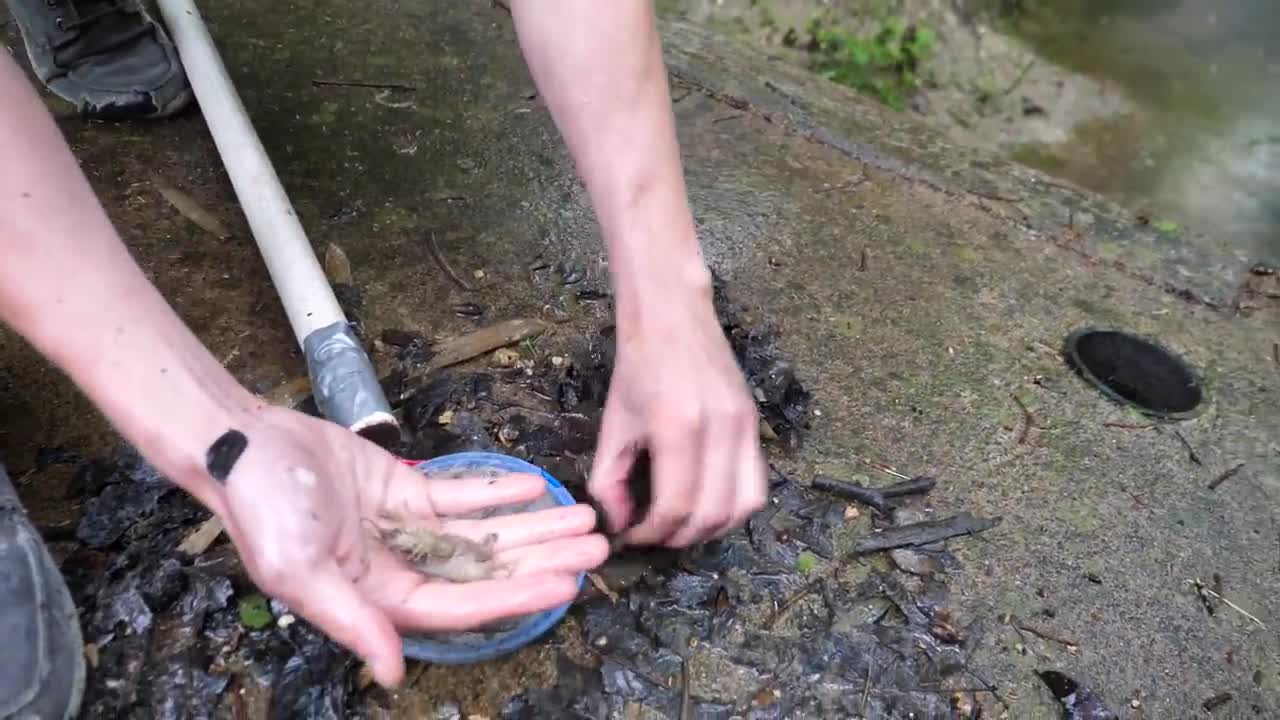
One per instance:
[(678, 393), (298, 504)]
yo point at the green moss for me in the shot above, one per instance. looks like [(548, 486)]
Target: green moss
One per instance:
[(255, 613)]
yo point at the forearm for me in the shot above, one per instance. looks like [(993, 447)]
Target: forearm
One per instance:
[(69, 286), (599, 68)]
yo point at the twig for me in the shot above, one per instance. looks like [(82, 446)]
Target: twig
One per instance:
[(862, 260), (870, 497), (915, 486), (629, 666), (1026, 643), (876, 498), (923, 533), (686, 706), (1028, 420), (855, 182), (363, 84), (988, 687), (1128, 426), (1191, 452), (790, 602), (444, 264), (1044, 634), (1021, 76), (881, 467), (735, 116), (1200, 587), (866, 689), (1225, 476), (1275, 352), (687, 92)]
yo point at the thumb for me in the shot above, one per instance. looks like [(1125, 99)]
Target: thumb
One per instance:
[(330, 601), (615, 452)]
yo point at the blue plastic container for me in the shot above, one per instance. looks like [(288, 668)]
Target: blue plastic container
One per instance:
[(483, 644)]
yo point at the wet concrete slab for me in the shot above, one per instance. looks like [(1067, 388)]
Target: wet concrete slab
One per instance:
[(918, 289)]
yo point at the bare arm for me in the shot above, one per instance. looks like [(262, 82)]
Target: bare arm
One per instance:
[(599, 67), (70, 287), (677, 390)]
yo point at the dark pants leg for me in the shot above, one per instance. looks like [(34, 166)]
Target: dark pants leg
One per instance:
[(42, 670)]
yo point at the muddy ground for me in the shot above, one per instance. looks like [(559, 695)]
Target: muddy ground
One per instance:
[(918, 289)]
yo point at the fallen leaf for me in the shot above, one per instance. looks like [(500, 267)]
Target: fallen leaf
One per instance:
[(91, 654), (199, 540), (505, 357), (336, 266), (600, 585), (364, 678), (486, 339), (190, 209)]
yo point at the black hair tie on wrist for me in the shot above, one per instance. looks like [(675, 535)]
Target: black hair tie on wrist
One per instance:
[(223, 454)]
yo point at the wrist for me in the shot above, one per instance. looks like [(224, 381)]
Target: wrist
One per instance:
[(657, 291), (171, 400)]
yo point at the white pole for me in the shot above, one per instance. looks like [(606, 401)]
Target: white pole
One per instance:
[(295, 270), (345, 386)]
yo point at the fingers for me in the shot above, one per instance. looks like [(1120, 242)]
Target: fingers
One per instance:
[(410, 491), (527, 528), (751, 491), (329, 601), (563, 555), (615, 454), (444, 606), (716, 490), (677, 468)]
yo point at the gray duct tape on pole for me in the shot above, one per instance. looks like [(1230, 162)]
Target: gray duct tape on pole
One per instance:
[(343, 381)]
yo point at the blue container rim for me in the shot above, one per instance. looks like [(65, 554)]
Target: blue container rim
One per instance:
[(533, 626)]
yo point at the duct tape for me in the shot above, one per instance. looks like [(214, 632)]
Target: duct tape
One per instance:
[(343, 382)]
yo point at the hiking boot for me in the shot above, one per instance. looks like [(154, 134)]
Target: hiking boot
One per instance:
[(107, 57), (42, 676)]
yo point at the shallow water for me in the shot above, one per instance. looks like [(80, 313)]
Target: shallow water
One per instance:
[(1202, 150)]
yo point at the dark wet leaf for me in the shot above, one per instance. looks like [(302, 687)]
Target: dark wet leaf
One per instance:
[(120, 505), (1078, 701)]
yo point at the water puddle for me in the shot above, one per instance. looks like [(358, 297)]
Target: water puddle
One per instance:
[(1202, 147)]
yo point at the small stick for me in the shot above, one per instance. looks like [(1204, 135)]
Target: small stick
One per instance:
[(362, 84), (923, 533), (687, 92), (866, 688), (1026, 643), (1028, 421), (847, 184), (915, 486), (1191, 452), (1200, 587), (728, 117), (1225, 476), (862, 260), (686, 705), (1127, 426), (870, 497), (1044, 634), (444, 264), (881, 467), (790, 602), (1275, 352)]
